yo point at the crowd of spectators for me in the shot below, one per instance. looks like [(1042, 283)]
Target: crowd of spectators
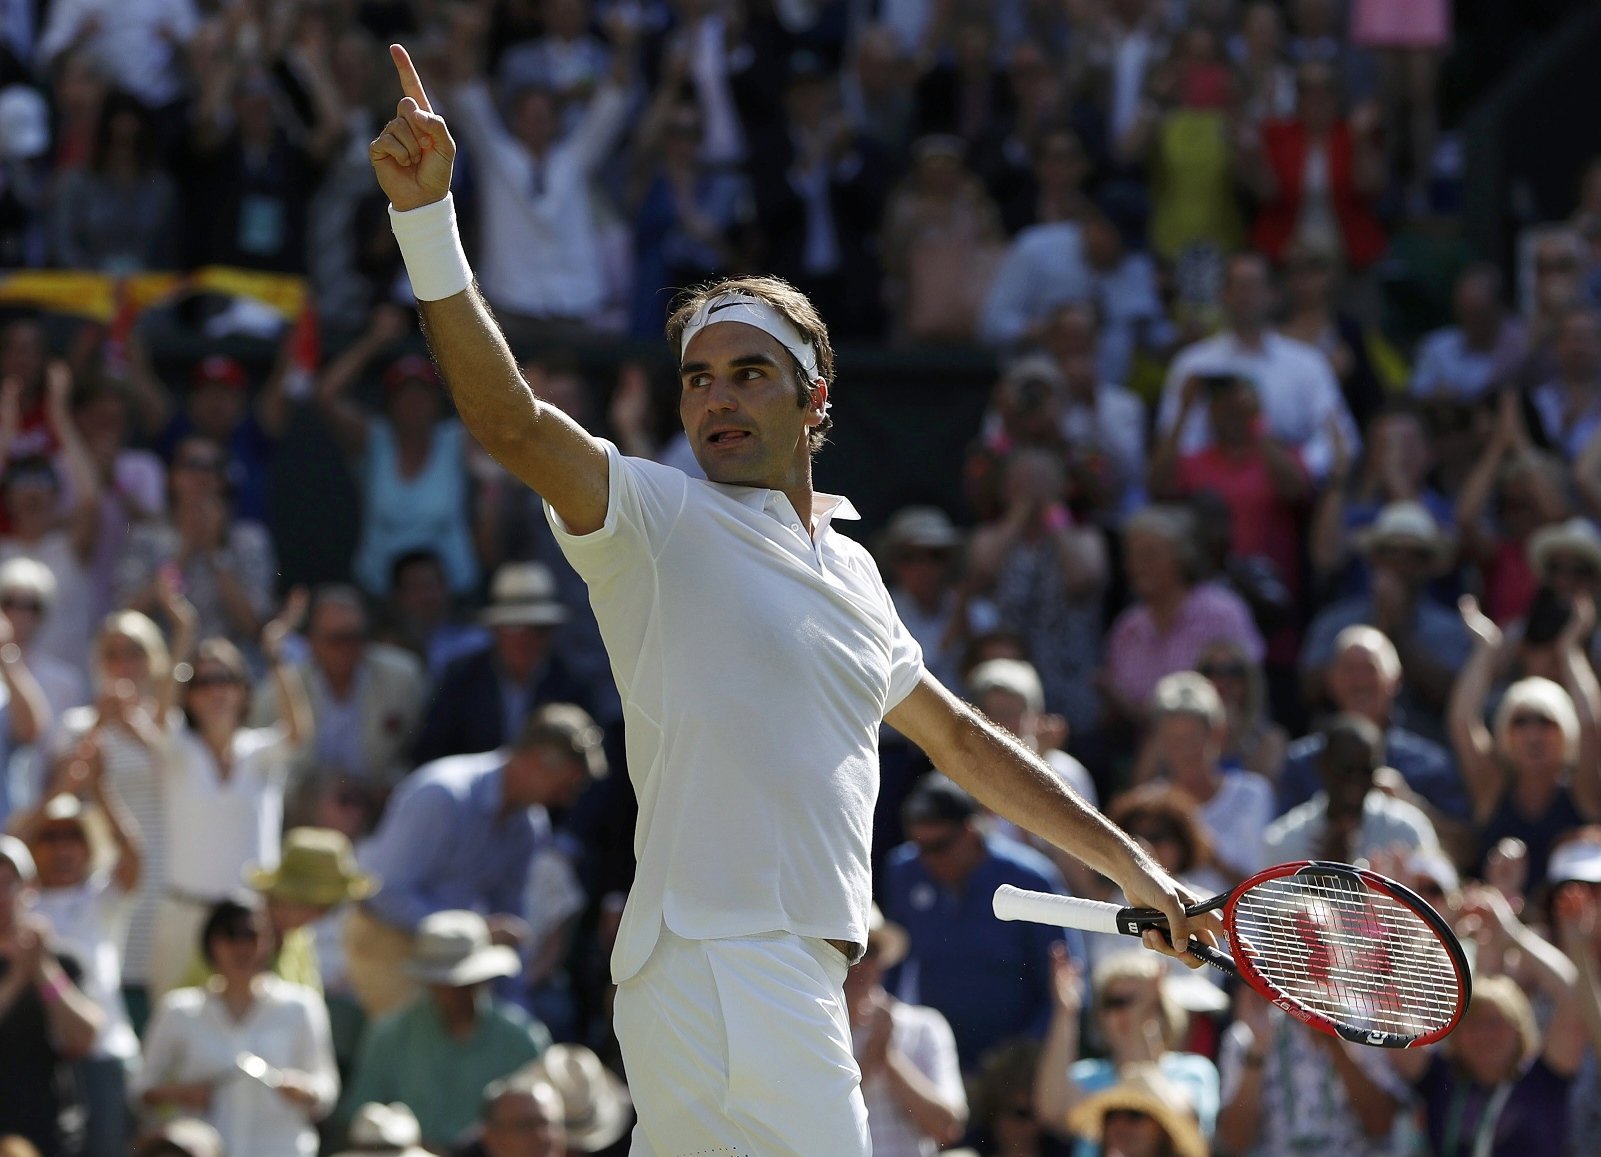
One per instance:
[(308, 871)]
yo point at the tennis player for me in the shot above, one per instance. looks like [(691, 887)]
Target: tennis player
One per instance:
[(757, 651)]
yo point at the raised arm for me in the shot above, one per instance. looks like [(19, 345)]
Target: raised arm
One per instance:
[(83, 520), (550, 452), (346, 417), (1056, 1093), (294, 708), (1470, 738), (1579, 680)]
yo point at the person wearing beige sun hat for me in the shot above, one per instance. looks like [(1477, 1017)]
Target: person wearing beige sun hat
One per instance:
[(1143, 1115), (379, 1128), (316, 873), (438, 1053)]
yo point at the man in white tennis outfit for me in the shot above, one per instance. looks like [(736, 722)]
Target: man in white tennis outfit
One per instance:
[(756, 651)]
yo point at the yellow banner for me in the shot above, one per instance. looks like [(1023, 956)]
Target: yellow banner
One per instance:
[(97, 296)]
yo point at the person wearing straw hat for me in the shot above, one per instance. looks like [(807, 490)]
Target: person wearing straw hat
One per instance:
[(523, 1116), (596, 1110), (89, 864), (317, 872), (757, 651), (1405, 548), (482, 699), (380, 1128), (911, 1078), (436, 1054), (1143, 1115), (180, 1137)]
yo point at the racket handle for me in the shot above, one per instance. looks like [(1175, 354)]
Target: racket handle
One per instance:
[(1012, 903)]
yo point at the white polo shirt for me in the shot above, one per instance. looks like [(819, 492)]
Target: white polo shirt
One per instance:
[(755, 665)]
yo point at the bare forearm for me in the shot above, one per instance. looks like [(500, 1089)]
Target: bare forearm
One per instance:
[(1013, 782), (933, 1115), (1055, 1092), (74, 1020), (536, 442)]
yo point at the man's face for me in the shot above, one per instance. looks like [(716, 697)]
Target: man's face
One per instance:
[(1232, 413), (1346, 768), (216, 409), (22, 352), (740, 406), (1247, 293), (1578, 348), (61, 854), (1187, 744), (526, 1125), (338, 636), (922, 571), (1074, 342), (521, 647), (1475, 303), (545, 777), (1409, 561), (1009, 710), (420, 593), (944, 849), (535, 120), (1359, 684)]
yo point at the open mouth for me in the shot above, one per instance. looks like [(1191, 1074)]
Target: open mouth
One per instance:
[(728, 437)]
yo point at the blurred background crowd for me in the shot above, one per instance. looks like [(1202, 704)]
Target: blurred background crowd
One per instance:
[(1221, 389)]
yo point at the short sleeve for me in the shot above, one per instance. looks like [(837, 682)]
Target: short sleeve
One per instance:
[(905, 658), (644, 501)]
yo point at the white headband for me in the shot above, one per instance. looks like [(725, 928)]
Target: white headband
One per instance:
[(753, 311)]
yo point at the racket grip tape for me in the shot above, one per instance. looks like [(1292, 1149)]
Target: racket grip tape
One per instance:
[(1012, 903)]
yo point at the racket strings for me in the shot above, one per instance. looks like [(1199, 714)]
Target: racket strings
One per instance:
[(1347, 952)]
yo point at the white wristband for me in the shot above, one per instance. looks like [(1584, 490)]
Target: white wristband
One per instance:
[(431, 247)]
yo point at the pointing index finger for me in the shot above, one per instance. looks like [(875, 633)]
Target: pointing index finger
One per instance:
[(410, 82)]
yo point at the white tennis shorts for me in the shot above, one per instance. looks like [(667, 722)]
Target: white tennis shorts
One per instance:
[(741, 1046)]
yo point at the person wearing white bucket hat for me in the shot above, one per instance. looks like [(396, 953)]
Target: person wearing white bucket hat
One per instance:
[(379, 1128), (757, 651), (438, 1053)]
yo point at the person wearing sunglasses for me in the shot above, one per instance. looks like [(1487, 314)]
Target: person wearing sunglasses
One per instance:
[(250, 1053), (1534, 773), (1138, 1017), (938, 886), (223, 787), (27, 598)]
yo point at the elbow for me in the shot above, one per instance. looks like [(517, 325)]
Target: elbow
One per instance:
[(951, 1128)]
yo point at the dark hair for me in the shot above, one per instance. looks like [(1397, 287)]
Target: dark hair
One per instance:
[(1548, 615), (937, 800), (1346, 725), (567, 729), (225, 918), (224, 654), (118, 103), (796, 308), (1161, 804), (407, 559)]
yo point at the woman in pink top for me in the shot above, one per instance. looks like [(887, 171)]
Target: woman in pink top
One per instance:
[(1174, 617)]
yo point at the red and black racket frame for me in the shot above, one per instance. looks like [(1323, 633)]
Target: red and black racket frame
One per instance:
[(1136, 920)]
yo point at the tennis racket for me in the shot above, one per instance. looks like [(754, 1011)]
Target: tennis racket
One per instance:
[(1347, 951)]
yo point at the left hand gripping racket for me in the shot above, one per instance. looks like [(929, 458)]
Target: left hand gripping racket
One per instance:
[(1345, 950)]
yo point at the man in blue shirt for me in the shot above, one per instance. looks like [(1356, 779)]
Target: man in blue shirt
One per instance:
[(989, 978), (460, 834), (1363, 679)]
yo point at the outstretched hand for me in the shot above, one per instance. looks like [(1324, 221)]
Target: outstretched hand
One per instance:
[(413, 155), (1154, 888)]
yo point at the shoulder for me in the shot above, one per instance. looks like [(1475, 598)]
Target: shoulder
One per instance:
[(1304, 748), (182, 1004), (1293, 351), (1247, 789), (389, 661), (249, 534), (1212, 598), (1300, 816), (1402, 744)]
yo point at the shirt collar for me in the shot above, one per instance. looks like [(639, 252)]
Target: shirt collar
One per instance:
[(485, 791), (825, 507)]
